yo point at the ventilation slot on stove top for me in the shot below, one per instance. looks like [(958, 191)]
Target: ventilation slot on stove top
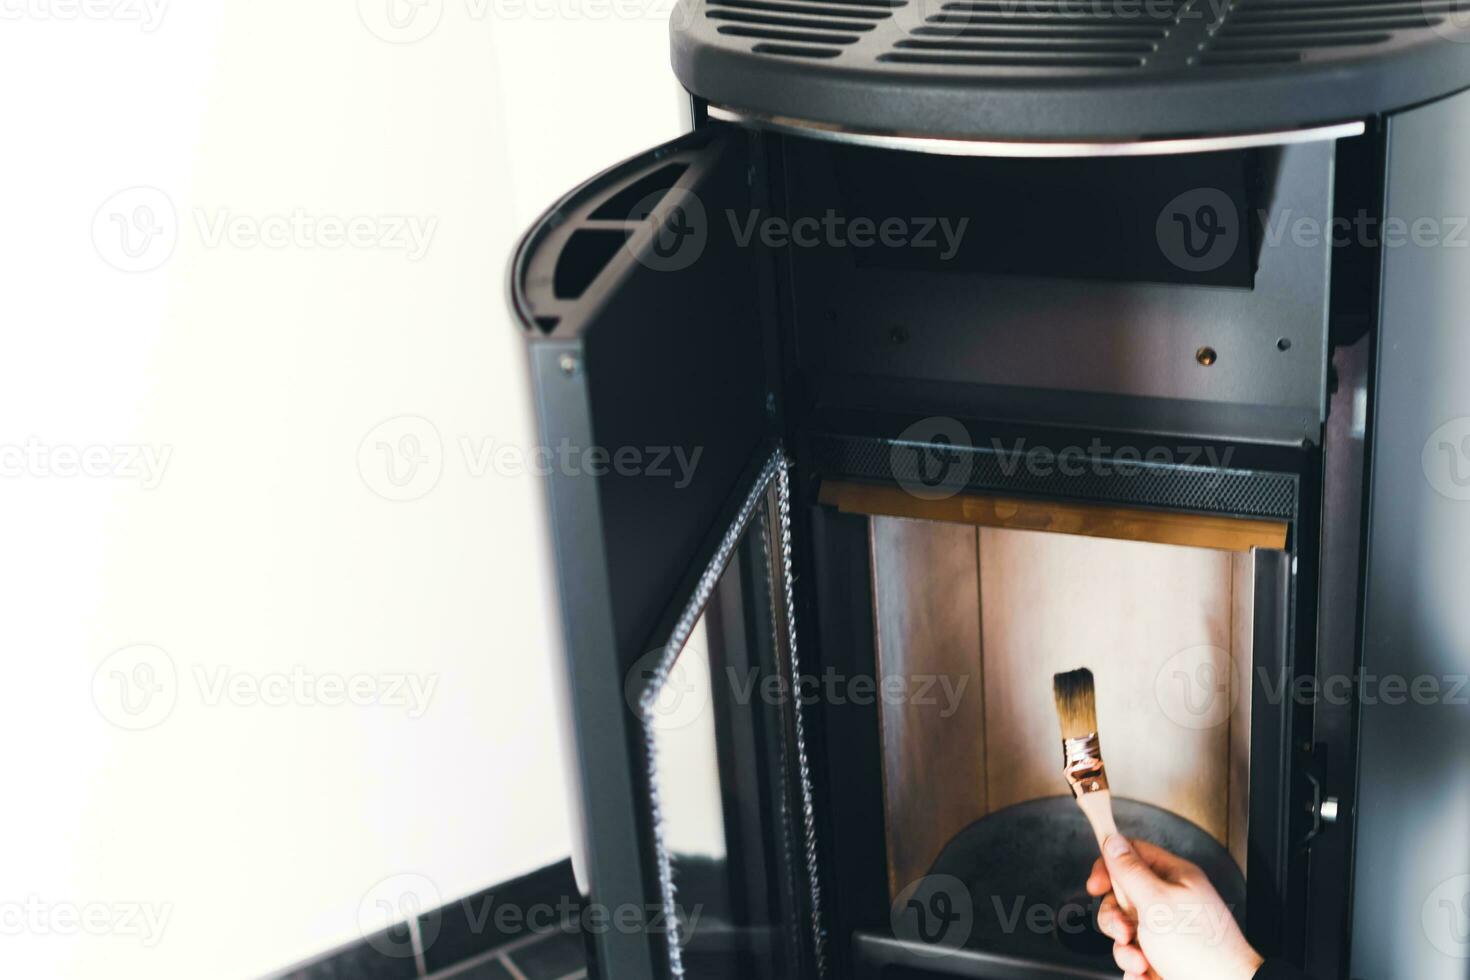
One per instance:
[(1286, 31), (800, 28), (1048, 34)]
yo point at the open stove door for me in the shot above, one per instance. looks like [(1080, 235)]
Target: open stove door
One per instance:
[(651, 350)]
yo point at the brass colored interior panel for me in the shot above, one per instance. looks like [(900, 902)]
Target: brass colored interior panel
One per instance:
[(995, 612), (929, 639), (1142, 617), (1242, 636)]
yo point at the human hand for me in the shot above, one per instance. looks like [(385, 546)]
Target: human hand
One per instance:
[(1180, 928)]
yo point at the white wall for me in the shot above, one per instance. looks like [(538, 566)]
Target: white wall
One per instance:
[(228, 408)]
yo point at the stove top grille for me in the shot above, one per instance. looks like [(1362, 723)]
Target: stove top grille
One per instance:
[(1031, 37), (1039, 34), (800, 28), (1064, 70), (1260, 32)]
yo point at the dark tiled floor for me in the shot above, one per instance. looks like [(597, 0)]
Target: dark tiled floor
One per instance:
[(470, 940), (491, 970), (467, 930), (385, 956), (556, 957)]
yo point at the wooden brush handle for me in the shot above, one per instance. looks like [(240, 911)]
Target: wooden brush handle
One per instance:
[(1098, 808)]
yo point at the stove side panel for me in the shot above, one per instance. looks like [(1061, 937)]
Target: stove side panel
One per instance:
[(1412, 878)]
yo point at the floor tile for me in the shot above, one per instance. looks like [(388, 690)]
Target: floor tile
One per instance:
[(489, 970), (551, 958)]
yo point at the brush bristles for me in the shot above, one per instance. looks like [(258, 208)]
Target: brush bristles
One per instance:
[(1076, 703)]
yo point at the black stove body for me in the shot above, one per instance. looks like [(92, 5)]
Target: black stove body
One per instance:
[(839, 389)]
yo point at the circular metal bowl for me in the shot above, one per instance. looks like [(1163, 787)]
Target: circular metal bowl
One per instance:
[(1026, 867)]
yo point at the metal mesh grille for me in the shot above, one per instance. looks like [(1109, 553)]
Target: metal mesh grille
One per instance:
[(1116, 477)]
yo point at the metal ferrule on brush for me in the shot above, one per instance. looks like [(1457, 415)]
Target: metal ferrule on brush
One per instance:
[(1082, 763)]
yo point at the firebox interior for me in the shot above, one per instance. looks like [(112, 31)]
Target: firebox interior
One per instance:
[(971, 623)]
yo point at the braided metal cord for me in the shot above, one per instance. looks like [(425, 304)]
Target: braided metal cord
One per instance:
[(775, 471), (808, 810), (709, 580)]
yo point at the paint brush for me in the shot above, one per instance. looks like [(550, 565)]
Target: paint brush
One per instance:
[(1082, 760)]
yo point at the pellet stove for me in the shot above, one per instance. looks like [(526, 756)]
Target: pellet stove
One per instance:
[(995, 338)]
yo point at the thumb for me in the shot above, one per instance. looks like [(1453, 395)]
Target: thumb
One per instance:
[(1129, 870)]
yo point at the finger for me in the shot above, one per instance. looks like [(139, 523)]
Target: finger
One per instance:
[(1113, 922), (1130, 874), (1130, 959), (1166, 864), (1098, 882)]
